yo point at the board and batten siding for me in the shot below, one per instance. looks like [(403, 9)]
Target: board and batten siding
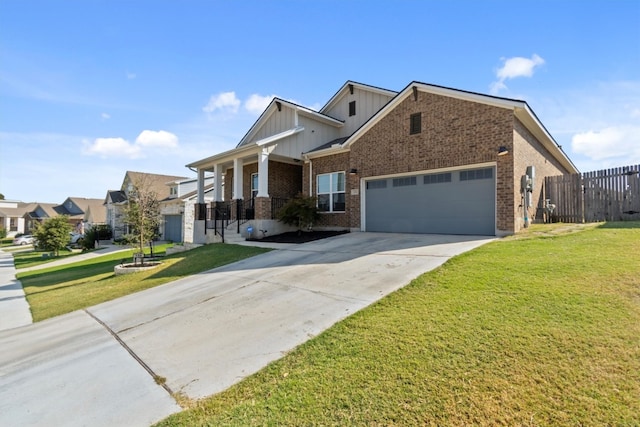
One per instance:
[(314, 135), (367, 104), (278, 121)]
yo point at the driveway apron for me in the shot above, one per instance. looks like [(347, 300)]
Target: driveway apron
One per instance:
[(202, 333)]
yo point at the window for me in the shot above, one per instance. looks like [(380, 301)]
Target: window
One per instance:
[(173, 191), (403, 182), (415, 125), (254, 186), (437, 178), (352, 108), (374, 185), (13, 224), (470, 175), (331, 195)]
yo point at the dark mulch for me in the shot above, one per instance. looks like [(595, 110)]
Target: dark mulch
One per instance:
[(305, 236)]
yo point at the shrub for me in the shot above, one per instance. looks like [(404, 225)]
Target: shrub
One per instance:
[(300, 212), (89, 240), (3, 233), (53, 234)]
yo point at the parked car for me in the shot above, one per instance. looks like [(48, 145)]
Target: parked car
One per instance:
[(26, 239), (75, 238)]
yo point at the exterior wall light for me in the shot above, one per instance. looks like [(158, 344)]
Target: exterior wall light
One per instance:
[(353, 171), (502, 151)]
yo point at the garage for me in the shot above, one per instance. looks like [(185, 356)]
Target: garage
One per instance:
[(173, 228), (451, 202)]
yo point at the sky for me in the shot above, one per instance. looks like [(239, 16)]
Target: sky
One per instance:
[(91, 89)]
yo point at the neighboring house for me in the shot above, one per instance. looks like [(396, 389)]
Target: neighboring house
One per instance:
[(12, 218), (83, 213), (76, 208), (427, 159), (39, 213), (178, 209), (115, 202)]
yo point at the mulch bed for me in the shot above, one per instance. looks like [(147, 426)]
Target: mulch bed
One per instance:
[(295, 237)]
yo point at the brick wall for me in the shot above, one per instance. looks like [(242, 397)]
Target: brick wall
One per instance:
[(454, 133), (285, 180), (328, 164), (528, 151)]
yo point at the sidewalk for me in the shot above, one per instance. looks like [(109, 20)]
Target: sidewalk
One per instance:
[(14, 309), (105, 248)]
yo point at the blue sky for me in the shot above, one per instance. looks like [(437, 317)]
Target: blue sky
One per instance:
[(91, 89)]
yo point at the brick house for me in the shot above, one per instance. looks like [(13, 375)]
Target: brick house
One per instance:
[(116, 201), (427, 159)]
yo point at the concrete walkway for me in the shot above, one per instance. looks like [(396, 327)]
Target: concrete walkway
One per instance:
[(203, 333), (14, 309)]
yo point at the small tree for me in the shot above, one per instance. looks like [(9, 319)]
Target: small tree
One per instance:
[(142, 214), (53, 233), (300, 212)]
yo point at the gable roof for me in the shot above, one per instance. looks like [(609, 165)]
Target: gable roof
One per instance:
[(521, 110), (47, 210), (115, 196), (156, 182), (346, 89), (17, 212), (277, 104)]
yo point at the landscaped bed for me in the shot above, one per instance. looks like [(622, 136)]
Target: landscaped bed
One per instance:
[(300, 236), (540, 329)]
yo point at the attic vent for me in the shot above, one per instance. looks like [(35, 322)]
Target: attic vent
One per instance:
[(351, 89), (352, 108)]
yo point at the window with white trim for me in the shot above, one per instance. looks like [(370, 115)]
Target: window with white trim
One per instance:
[(331, 192), (254, 185)]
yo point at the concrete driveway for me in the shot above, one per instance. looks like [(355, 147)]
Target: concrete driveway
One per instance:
[(202, 333)]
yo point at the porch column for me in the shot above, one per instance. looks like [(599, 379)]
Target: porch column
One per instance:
[(263, 173), (201, 186), (237, 178), (217, 182)]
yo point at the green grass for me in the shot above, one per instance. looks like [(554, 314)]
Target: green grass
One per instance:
[(31, 258), (540, 329), (57, 290)]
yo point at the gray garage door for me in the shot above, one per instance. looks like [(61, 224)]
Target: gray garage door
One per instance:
[(173, 228), (457, 202)]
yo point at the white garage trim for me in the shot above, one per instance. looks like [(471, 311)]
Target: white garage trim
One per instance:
[(363, 186)]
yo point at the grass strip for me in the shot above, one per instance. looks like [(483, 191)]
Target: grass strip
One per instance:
[(535, 330), (59, 290)]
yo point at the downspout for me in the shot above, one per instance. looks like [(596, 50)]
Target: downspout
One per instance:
[(310, 178)]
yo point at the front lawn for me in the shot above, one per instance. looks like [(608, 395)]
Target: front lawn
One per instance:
[(540, 329), (30, 258), (58, 290)]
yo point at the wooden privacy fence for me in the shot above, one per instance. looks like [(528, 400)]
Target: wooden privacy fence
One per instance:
[(604, 195)]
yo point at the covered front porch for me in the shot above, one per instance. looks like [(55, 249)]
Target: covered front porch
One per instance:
[(250, 187)]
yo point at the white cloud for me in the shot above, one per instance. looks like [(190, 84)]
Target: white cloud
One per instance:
[(621, 142), (160, 139), (257, 103), (513, 68), (111, 147), (146, 142), (105, 116), (131, 76), (225, 101)]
